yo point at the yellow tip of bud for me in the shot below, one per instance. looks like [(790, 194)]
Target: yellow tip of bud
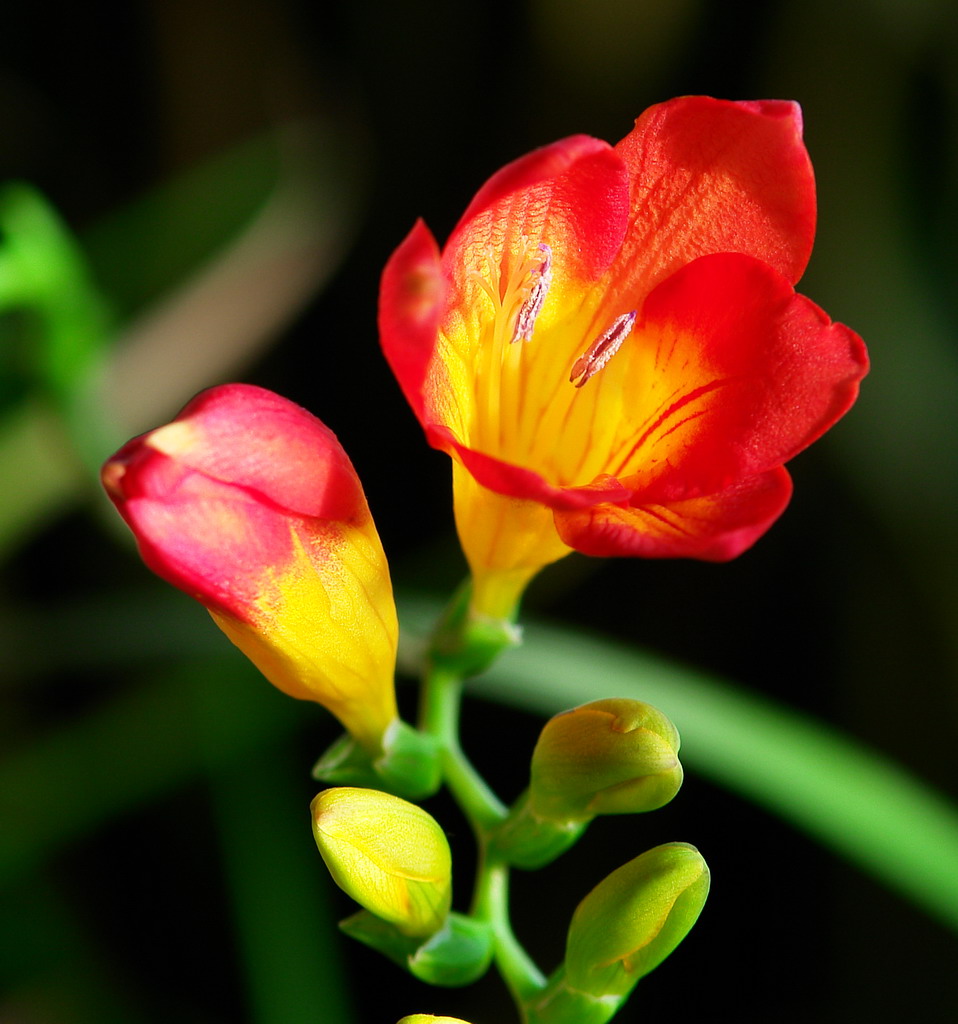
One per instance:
[(428, 1018)]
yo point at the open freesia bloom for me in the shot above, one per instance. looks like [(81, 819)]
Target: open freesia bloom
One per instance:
[(610, 347), (248, 503)]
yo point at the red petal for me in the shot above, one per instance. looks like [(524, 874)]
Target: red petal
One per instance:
[(573, 191), (715, 528), (412, 297), (713, 176), (252, 438), (213, 541), (742, 374)]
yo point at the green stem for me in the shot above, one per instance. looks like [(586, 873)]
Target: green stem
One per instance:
[(491, 904), (439, 717)]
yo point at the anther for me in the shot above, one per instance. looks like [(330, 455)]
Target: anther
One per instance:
[(602, 349), (532, 306)]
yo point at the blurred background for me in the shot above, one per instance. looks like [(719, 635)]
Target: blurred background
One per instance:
[(213, 190)]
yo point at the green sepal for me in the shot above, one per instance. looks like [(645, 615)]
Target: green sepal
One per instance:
[(560, 1004), (467, 644), (408, 765), (380, 935), (527, 841), (458, 954)]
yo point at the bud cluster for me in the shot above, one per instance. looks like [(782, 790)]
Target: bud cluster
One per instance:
[(289, 564)]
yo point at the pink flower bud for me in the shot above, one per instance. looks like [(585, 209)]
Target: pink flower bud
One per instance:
[(248, 503)]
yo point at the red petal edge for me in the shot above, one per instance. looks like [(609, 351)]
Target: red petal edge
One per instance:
[(411, 298), (716, 528), (772, 371), (516, 482), (253, 438)]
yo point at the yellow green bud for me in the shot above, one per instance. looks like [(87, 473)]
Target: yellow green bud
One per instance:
[(633, 919), (389, 855), (428, 1018), (614, 756)]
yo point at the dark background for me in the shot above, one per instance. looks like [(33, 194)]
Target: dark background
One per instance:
[(846, 610)]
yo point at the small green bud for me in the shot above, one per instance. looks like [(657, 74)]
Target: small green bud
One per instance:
[(614, 756), (387, 854), (634, 918)]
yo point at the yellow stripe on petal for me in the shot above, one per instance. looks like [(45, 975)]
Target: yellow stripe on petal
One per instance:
[(325, 629)]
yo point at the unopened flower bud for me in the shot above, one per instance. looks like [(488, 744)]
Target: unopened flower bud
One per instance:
[(249, 504), (633, 919), (614, 756), (428, 1018), (389, 855)]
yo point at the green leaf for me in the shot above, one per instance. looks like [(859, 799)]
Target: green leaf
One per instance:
[(133, 749), (44, 277)]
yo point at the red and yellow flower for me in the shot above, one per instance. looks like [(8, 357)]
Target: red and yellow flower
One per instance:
[(249, 504), (610, 347)]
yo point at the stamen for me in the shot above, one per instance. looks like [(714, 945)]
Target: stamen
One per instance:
[(532, 305), (602, 349), (492, 290)]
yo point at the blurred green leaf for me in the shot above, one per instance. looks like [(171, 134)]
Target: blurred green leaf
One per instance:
[(236, 249), (279, 894), (51, 967), (44, 276), (135, 748), (242, 242), (39, 473), (143, 249)]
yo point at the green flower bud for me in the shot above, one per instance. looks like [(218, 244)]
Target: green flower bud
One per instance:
[(614, 756), (632, 920), (387, 854)]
